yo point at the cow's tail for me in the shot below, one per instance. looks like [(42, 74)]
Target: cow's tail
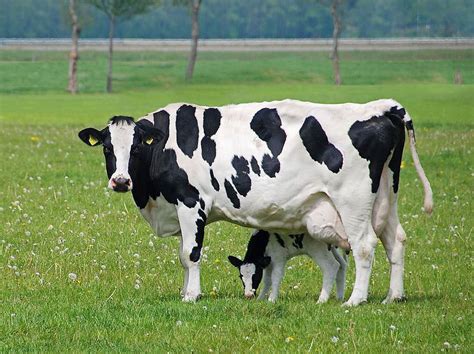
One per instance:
[(428, 202)]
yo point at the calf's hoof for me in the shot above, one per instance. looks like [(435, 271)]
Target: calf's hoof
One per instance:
[(322, 299)]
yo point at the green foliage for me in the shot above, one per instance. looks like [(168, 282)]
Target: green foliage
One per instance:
[(124, 9), (253, 19)]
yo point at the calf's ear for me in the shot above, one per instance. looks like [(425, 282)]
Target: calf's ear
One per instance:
[(91, 136), (235, 261), (264, 262)]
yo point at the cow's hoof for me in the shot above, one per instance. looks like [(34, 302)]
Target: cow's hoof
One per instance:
[(391, 299), (272, 300), (354, 302), (191, 297)]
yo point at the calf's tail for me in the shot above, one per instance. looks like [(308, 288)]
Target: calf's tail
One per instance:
[(428, 202)]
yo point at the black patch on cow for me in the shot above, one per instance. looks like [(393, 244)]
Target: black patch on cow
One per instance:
[(208, 150), (318, 146), (255, 167), (256, 246), (214, 182), (212, 121), (122, 120), (172, 180), (241, 180), (266, 123), (202, 204), (297, 240), (162, 121), (187, 130), (280, 240), (374, 139), (270, 165), (396, 117), (200, 225), (231, 194)]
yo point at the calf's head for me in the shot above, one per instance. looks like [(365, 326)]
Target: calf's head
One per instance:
[(250, 273), (126, 145)]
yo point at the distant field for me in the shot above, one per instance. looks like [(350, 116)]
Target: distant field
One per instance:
[(81, 271), (30, 72)]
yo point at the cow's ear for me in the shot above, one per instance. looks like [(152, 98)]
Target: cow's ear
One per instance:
[(91, 136), (149, 135), (264, 261), (235, 261)]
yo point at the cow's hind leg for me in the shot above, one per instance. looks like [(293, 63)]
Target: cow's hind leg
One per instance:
[(356, 218), (393, 239), (363, 249)]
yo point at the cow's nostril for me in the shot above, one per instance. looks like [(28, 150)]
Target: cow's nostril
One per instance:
[(122, 180), (121, 184)]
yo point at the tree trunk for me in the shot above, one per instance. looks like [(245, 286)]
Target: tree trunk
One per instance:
[(74, 54), (111, 50), (195, 4), (336, 19)]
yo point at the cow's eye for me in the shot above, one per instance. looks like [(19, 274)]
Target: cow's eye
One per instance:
[(107, 150)]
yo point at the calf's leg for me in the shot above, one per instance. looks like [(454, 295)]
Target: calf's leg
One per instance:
[(278, 270), (267, 282)]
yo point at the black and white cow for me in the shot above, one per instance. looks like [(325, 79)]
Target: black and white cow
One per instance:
[(266, 165), (266, 257)]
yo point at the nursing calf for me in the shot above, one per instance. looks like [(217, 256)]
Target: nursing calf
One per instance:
[(266, 165), (268, 253)]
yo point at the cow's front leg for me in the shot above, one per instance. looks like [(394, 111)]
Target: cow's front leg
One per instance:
[(192, 223)]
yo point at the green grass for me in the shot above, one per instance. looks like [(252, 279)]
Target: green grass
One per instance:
[(30, 72), (57, 218)]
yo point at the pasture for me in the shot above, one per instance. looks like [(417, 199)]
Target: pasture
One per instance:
[(80, 269)]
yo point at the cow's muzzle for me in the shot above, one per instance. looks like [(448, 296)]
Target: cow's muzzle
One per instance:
[(121, 184), (250, 295)]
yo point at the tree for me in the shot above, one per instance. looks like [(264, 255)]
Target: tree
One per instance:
[(116, 10), (194, 6), (74, 54), (337, 9), (336, 32)]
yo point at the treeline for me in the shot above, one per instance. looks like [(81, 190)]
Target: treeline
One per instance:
[(248, 19)]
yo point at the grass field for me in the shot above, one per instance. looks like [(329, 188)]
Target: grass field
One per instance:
[(81, 271)]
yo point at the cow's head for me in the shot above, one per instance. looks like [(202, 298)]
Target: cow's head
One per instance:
[(250, 273), (126, 145)]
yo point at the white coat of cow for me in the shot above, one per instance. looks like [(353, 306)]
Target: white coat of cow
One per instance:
[(266, 165)]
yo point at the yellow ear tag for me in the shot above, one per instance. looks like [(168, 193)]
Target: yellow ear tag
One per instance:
[(93, 141), (149, 141)]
